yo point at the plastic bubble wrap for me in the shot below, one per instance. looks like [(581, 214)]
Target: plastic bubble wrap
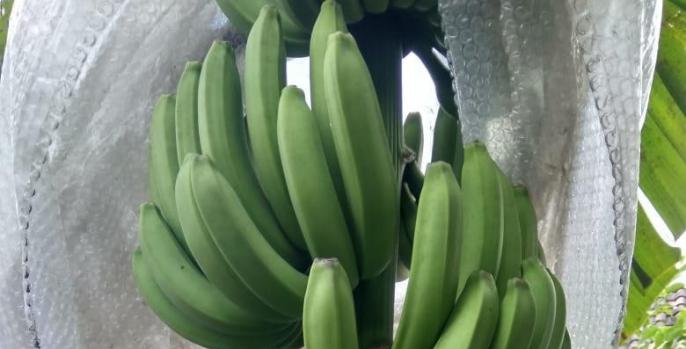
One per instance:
[(556, 90)]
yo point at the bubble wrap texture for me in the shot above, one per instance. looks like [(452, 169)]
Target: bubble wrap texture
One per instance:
[(557, 90), (78, 84)]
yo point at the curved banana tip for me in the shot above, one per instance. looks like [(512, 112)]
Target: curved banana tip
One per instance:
[(476, 145), (341, 38), (193, 65), (326, 262), (532, 262), (268, 11), (292, 91), (438, 167), (516, 282)]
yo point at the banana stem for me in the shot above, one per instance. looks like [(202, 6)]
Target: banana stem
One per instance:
[(381, 47)]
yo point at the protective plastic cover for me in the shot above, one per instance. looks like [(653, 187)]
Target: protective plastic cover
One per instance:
[(556, 89)]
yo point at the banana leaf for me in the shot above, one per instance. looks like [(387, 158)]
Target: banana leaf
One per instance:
[(671, 56), (680, 3), (668, 116), (653, 268), (663, 176)]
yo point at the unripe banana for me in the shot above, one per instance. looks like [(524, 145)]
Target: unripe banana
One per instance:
[(527, 222), (543, 290), (517, 317), (214, 265), (329, 311), (163, 163), (243, 13), (558, 332), (310, 185), (511, 260), (271, 278), (404, 254), (265, 76), (375, 6), (187, 137), (330, 20), (445, 137), (435, 254), (360, 141), (223, 139), (473, 320), (186, 287), (483, 216), (189, 328), (413, 135)]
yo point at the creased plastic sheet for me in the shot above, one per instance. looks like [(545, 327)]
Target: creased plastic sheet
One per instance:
[(557, 90), (78, 84)]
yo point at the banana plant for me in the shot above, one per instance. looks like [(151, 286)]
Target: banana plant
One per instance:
[(5, 10)]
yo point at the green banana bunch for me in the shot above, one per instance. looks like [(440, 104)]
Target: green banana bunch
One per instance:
[(310, 184), (474, 317), (517, 317), (285, 337), (223, 139), (543, 290), (484, 216), (359, 138), (435, 254), (214, 202), (265, 77), (329, 312)]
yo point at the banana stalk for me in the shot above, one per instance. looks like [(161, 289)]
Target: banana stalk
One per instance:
[(381, 47)]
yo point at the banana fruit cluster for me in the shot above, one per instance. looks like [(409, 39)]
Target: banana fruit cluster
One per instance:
[(266, 214), (242, 204), (299, 17)]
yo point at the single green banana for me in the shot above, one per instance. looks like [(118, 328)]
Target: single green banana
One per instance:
[(670, 57), (543, 290), (265, 76), (402, 4), (425, 5), (330, 20), (223, 138), (360, 141), (474, 317), (163, 163), (189, 328), (527, 222), (214, 265), (404, 254), (187, 137), (567, 342), (408, 211), (303, 12), (310, 185), (517, 317), (435, 255), (329, 310), (186, 287), (445, 137), (270, 277), (483, 217), (375, 6), (558, 332), (413, 135), (243, 13), (511, 261)]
